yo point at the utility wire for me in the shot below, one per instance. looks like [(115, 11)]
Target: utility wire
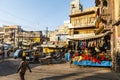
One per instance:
[(9, 22), (15, 17)]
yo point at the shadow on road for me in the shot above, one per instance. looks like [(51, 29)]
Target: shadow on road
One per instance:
[(60, 77), (83, 76), (9, 67)]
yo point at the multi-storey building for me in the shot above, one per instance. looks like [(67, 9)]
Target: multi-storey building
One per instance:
[(57, 38), (11, 33), (52, 35), (116, 35), (16, 36), (110, 13), (31, 36), (61, 33), (28, 39), (84, 29), (91, 29), (82, 22), (1, 33)]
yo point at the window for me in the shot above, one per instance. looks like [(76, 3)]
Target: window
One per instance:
[(105, 3), (76, 32), (58, 38)]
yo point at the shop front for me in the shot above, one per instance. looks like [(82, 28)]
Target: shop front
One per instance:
[(94, 50)]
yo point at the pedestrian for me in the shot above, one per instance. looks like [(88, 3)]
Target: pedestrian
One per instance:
[(71, 57), (22, 68), (67, 56)]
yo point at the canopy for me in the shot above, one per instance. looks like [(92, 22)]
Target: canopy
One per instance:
[(90, 37)]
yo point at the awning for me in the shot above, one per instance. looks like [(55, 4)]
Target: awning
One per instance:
[(48, 45), (61, 46), (91, 37), (52, 46)]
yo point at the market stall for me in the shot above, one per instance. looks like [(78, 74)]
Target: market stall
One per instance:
[(92, 51)]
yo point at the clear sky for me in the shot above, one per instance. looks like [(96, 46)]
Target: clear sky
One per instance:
[(36, 15)]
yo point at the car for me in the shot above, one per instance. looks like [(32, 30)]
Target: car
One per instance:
[(18, 53)]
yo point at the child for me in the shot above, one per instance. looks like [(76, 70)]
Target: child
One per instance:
[(22, 68)]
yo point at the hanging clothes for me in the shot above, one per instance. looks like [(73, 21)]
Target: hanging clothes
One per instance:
[(83, 45), (76, 45), (80, 44)]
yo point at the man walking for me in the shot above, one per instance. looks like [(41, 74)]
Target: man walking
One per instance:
[(22, 68)]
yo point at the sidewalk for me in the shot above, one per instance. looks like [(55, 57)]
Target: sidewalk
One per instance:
[(64, 72)]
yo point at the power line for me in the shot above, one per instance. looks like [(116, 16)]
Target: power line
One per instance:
[(15, 17), (9, 22)]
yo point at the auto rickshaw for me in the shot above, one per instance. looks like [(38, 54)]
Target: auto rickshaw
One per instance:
[(31, 55)]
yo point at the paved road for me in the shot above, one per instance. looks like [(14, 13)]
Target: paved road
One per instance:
[(56, 72)]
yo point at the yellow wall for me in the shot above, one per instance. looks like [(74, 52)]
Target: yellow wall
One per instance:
[(83, 23), (81, 31), (82, 20), (36, 40), (47, 50)]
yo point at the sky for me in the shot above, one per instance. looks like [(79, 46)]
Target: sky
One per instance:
[(36, 15)]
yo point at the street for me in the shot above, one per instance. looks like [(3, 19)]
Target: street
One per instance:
[(55, 72)]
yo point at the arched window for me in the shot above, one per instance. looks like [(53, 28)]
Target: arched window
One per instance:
[(105, 3)]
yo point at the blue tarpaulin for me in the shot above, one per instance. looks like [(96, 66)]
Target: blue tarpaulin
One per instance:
[(90, 63)]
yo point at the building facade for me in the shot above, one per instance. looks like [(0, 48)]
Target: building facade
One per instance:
[(17, 37), (61, 33), (11, 33), (31, 36), (1, 34), (90, 33), (116, 35)]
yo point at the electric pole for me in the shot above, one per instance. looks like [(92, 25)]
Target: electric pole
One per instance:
[(46, 31)]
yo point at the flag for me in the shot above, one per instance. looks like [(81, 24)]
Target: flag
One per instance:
[(97, 19)]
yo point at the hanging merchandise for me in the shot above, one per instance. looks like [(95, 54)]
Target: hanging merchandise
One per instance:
[(97, 49), (86, 51), (89, 44), (97, 42), (73, 45), (80, 44), (93, 52), (83, 45), (101, 42), (76, 45), (80, 58), (86, 44)]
